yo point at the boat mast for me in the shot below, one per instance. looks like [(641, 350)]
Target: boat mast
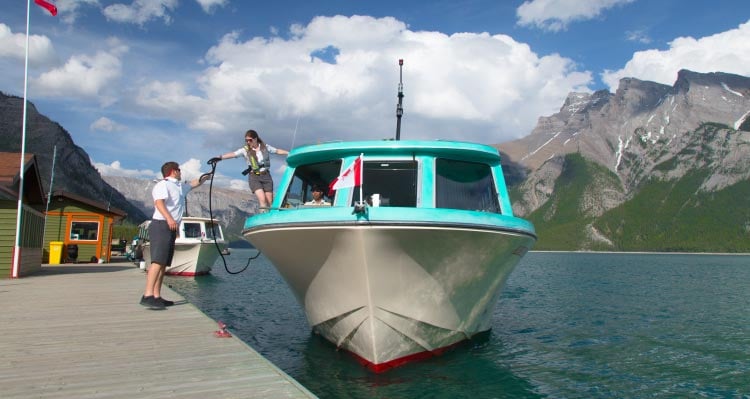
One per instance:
[(399, 107)]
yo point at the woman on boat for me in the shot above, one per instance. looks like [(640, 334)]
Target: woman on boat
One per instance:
[(318, 198), (257, 154)]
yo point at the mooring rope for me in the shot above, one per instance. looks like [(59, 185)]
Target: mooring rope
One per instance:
[(211, 215)]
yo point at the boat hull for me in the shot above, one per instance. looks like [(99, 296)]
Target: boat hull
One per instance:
[(391, 293), (190, 259)]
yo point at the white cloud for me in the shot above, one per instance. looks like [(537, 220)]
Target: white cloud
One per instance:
[(725, 52), (191, 169), (68, 9), (140, 11), (209, 5), (85, 75), (13, 46), (639, 36), (115, 169), (490, 87), (237, 184), (107, 125), (556, 15), (171, 100)]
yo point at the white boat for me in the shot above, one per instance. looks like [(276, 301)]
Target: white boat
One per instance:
[(195, 248), (417, 269)]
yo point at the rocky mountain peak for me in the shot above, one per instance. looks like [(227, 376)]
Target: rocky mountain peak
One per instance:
[(73, 170), (640, 127), (601, 124), (726, 81), (634, 96)]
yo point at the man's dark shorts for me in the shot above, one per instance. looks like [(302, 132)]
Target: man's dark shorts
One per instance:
[(261, 182), (162, 242)]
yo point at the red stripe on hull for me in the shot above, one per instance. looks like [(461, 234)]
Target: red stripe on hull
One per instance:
[(383, 367), (186, 274)]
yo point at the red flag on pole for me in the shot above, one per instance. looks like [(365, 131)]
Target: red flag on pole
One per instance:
[(49, 6), (351, 177)]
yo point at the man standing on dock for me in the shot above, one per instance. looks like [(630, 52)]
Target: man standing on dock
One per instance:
[(169, 203)]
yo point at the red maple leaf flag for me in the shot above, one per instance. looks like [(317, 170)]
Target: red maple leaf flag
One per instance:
[(351, 177), (49, 6)]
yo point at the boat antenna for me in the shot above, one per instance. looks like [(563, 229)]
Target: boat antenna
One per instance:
[(399, 107), (294, 136)]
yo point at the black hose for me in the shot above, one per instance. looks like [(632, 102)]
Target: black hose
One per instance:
[(211, 215)]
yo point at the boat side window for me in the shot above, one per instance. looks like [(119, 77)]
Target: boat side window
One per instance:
[(192, 230), (395, 183), (305, 176), (465, 185), (212, 230)]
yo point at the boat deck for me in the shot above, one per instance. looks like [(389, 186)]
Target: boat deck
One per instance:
[(77, 331)]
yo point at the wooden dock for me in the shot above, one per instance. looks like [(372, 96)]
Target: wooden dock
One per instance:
[(77, 331)]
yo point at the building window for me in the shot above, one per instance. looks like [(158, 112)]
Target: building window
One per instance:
[(465, 185), (84, 231)]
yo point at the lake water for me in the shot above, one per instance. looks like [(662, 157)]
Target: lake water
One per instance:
[(568, 325)]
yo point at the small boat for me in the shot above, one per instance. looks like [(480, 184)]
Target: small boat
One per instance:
[(195, 248), (408, 262)]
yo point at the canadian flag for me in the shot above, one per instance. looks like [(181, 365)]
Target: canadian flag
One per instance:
[(351, 177), (49, 6)]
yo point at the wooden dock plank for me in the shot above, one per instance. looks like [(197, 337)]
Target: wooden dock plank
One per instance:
[(77, 331)]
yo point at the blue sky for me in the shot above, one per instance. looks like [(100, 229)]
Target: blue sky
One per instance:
[(140, 82)]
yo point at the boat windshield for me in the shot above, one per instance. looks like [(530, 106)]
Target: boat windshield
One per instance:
[(305, 177), (394, 183), (465, 185), (192, 230)]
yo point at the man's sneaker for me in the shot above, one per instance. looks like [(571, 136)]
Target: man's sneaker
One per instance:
[(166, 302), (151, 302)]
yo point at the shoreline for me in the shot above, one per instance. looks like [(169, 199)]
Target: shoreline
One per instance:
[(646, 252)]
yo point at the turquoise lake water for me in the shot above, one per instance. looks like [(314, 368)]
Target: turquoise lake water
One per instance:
[(568, 325)]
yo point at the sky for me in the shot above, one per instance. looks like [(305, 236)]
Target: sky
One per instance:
[(140, 82)]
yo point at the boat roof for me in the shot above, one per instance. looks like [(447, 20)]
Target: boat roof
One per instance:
[(185, 219), (442, 148)]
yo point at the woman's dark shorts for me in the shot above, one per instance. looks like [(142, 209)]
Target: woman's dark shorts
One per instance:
[(162, 242), (260, 182)]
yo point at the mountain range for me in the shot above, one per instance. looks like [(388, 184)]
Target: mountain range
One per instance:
[(651, 167), (230, 207), (74, 172), (47, 140)]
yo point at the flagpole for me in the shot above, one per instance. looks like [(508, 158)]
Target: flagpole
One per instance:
[(17, 249), (361, 168)]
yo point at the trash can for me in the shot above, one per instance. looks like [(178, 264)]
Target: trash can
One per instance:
[(73, 253), (55, 252)]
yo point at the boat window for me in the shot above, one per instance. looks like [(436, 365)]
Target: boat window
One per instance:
[(84, 231), (394, 182), (305, 176), (213, 229), (465, 185), (192, 230), (143, 231)]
